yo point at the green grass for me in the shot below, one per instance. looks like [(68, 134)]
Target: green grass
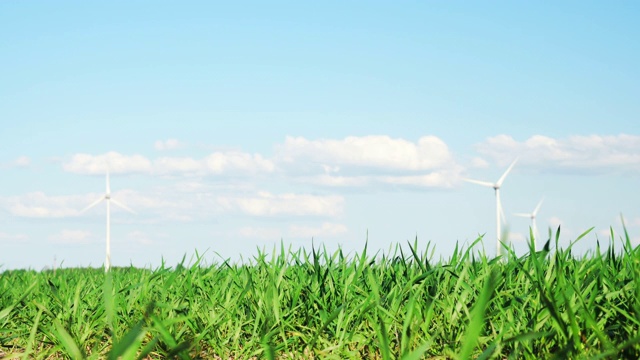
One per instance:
[(322, 305)]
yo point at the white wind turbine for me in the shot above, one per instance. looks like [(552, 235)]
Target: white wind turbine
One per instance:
[(499, 212), (108, 199), (532, 216)]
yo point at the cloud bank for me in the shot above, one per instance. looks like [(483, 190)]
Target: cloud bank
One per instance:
[(268, 204), (580, 154), (326, 164), (349, 162), (379, 161), (71, 237), (232, 162), (374, 152)]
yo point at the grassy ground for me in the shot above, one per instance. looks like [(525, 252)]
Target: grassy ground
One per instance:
[(320, 305)]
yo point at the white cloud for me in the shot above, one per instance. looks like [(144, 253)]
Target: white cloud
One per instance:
[(381, 152), (217, 163), (132, 198), (634, 222), (4, 237), (369, 160), (479, 163), (352, 161), (554, 222), (140, 237), (517, 237), (165, 165), (71, 237), (19, 162), (231, 162), (151, 206), (336, 181), (325, 230), (167, 204), (40, 205), (22, 161), (170, 144), (157, 206), (594, 153), (220, 162), (190, 187), (267, 204), (115, 162), (264, 233), (160, 204), (200, 188), (439, 179), (606, 233), (566, 232), (435, 179)]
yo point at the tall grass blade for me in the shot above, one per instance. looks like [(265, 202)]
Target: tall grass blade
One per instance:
[(477, 320), (73, 350)]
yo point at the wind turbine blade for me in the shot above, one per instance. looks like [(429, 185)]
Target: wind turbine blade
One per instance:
[(535, 211), (522, 215), (108, 187), (117, 203), (479, 182), (504, 176), (504, 217), (92, 205)]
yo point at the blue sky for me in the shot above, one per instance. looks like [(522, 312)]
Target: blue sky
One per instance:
[(232, 126)]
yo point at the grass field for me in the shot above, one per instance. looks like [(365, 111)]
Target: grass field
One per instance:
[(320, 305)]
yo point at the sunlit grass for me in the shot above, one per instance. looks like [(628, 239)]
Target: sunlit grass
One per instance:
[(294, 304)]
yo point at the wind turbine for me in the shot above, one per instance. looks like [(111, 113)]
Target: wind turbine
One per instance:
[(532, 216), (107, 197), (499, 212)]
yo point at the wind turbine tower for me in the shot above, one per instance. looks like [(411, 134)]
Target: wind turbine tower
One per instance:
[(499, 212), (107, 197), (534, 228)]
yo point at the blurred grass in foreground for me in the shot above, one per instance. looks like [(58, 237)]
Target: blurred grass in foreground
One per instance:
[(321, 305)]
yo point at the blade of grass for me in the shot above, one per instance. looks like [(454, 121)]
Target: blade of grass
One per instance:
[(476, 323)]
